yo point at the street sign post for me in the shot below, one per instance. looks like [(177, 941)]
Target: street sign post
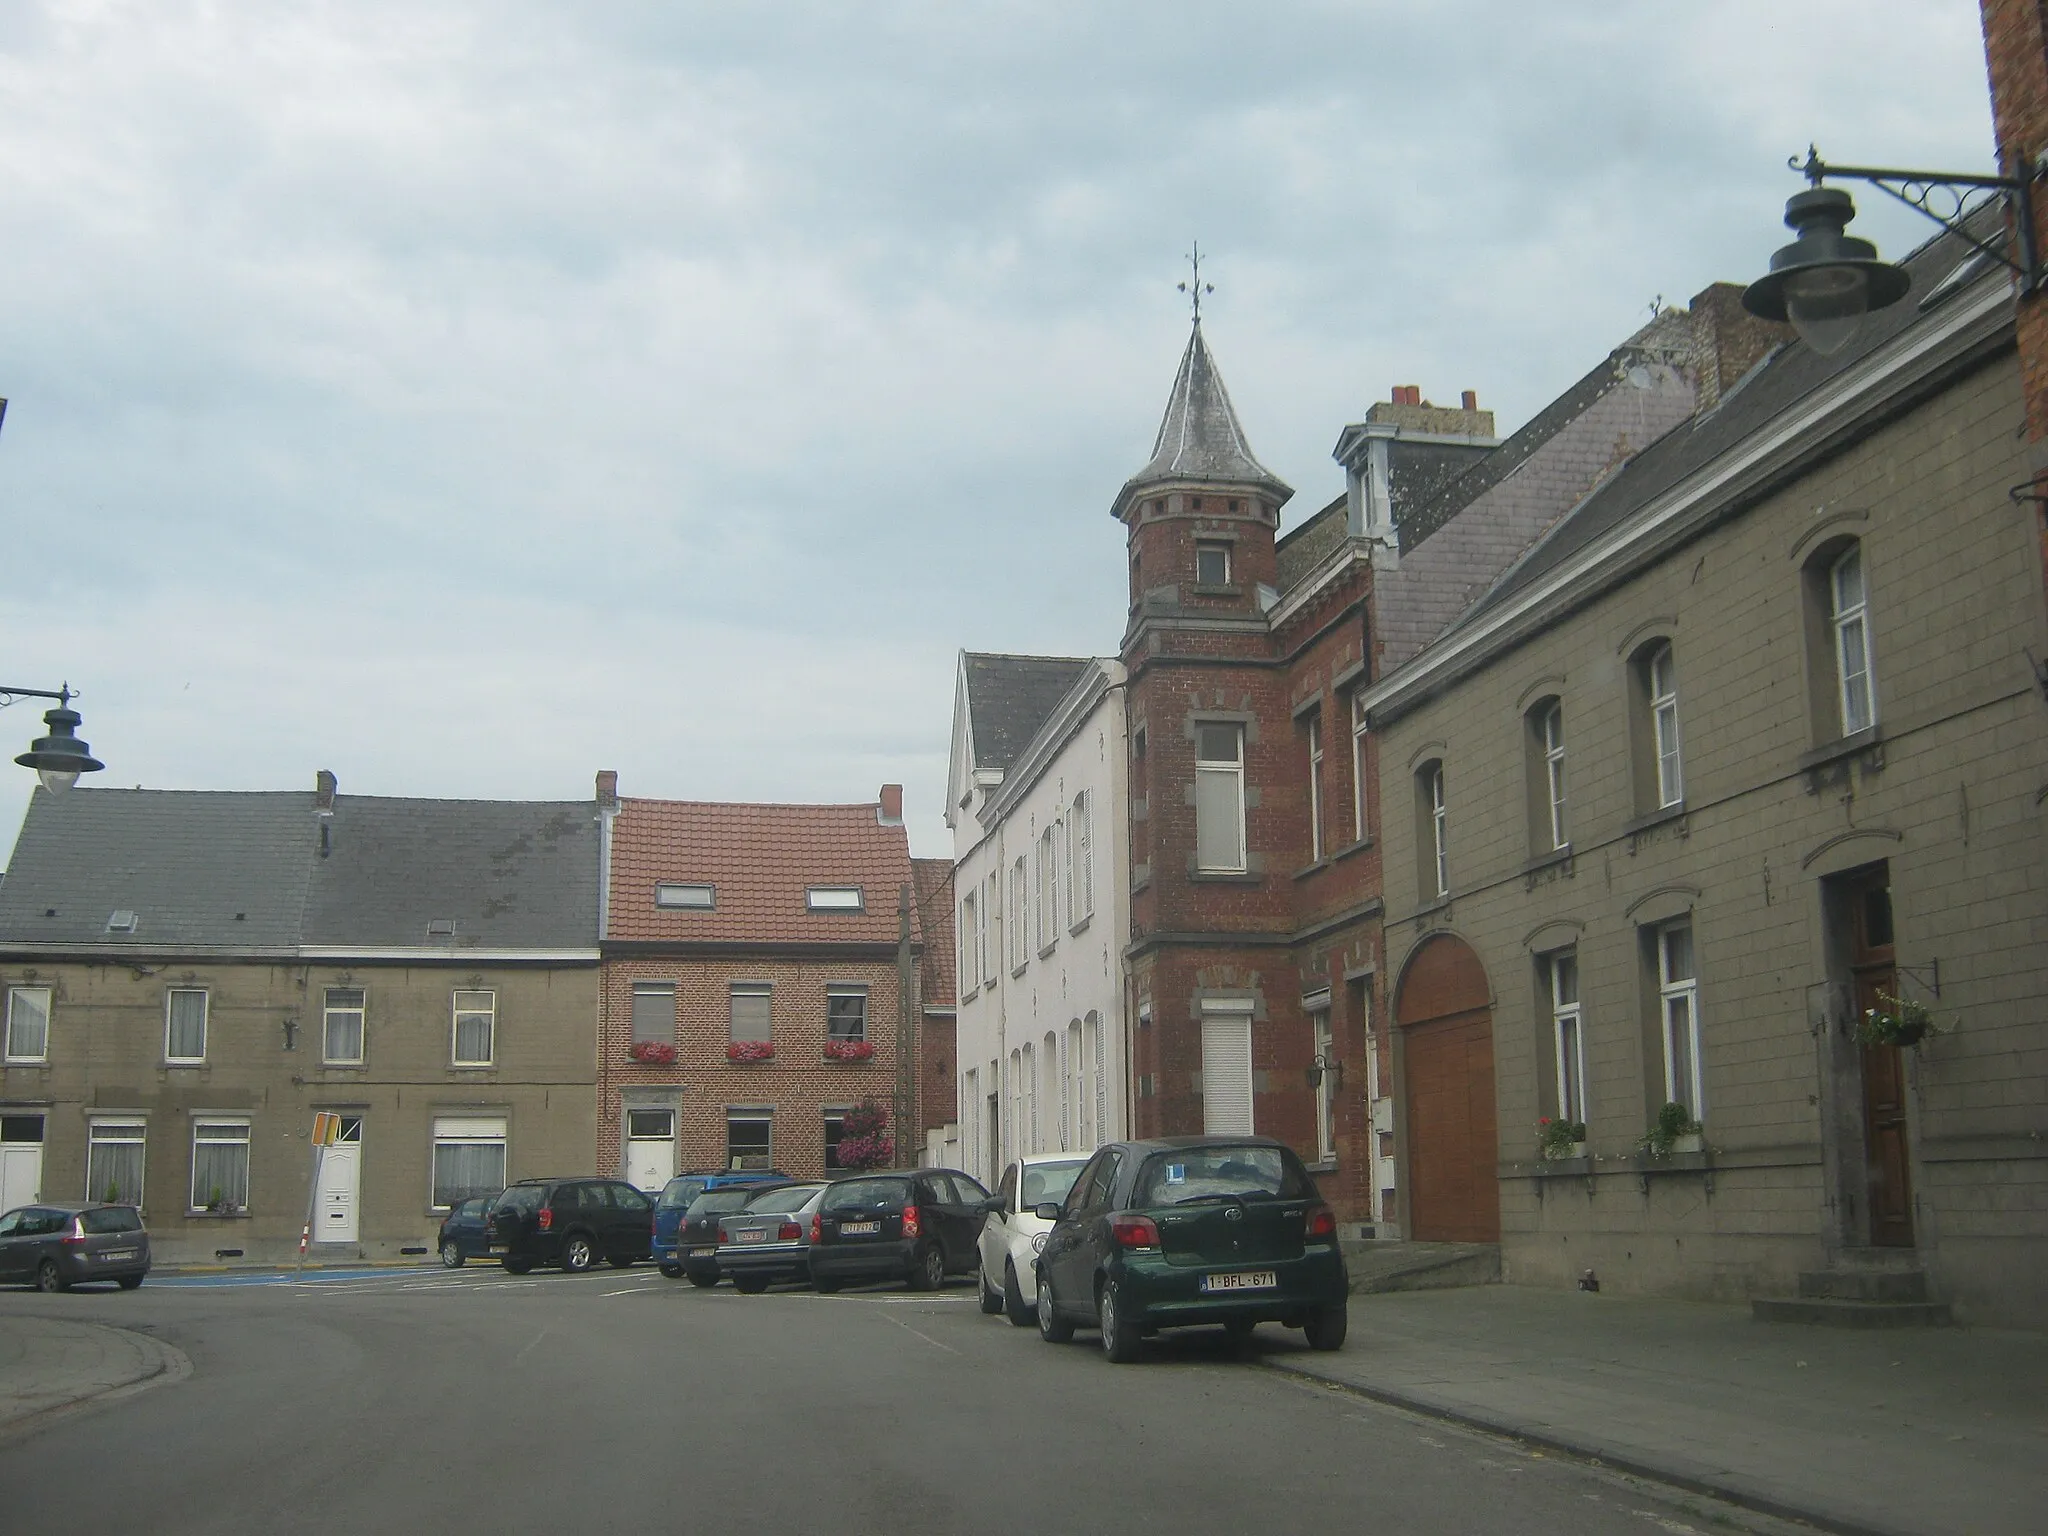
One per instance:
[(326, 1132)]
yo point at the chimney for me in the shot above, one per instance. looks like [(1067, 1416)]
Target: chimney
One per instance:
[(890, 812), (608, 789), (1727, 341), (1471, 398), (324, 784)]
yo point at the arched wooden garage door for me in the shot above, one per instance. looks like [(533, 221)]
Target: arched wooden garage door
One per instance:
[(1445, 1015)]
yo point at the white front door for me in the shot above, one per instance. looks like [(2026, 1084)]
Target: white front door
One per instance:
[(341, 1178), (21, 1160), (650, 1148)]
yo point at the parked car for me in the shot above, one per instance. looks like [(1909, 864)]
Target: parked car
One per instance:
[(769, 1238), (1186, 1231), (919, 1225), (697, 1238), (570, 1222), (58, 1244), (675, 1199), (462, 1231), (1014, 1232)]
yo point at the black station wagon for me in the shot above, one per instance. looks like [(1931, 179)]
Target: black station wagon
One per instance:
[(1198, 1229)]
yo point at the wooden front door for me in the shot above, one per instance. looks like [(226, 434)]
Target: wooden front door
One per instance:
[(1887, 1172), (1453, 1139)]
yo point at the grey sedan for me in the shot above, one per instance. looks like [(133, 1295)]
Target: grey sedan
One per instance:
[(56, 1245), (769, 1238)]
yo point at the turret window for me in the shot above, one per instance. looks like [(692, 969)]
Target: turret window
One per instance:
[(1212, 565)]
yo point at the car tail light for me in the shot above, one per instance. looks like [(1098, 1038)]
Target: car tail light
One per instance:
[(1322, 1222), (547, 1218), (912, 1226), (817, 1227), (1134, 1232), (75, 1238), (788, 1232)]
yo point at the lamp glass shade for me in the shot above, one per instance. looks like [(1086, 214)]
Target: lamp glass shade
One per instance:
[(57, 780), (1826, 304), (60, 757)]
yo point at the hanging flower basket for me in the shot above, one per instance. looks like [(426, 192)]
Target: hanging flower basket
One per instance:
[(652, 1053), (744, 1051), (848, 1050), (1896, 1021)]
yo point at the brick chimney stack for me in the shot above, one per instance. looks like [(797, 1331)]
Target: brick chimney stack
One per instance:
[(890, 811), (324, 785), (1727, 341), (608, 789)]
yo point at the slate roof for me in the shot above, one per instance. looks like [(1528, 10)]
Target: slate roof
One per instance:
[(1010, 697), (1200, 437), (935, 903), (512, 874), (761, 859), (185, 862), (1304, 547)]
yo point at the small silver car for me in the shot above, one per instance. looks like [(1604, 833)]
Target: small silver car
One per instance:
[(769, 1238), (55, 1245)]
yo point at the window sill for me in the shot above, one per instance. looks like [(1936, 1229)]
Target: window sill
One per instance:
[(1225, 877), (1866, 740), (344, 1066), (1657, 818), (1550, 860), (1315, 868), (1017, 970), (202, 1214), (1229, 589), (185, 1066), (472, 1066), (1432, 906), (1326, 1165), (1045, 950), (1082, 926), (26, 1061), (1350, 848)]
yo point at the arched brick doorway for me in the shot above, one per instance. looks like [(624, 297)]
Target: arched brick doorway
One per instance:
[(1445, 1014)]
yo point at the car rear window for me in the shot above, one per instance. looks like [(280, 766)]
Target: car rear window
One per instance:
[(867, 1194), (111, 1218), (781, 1202), (716, 1202), (1049, 1181), (679, 1192), (521, 1197), (1207, 1173)]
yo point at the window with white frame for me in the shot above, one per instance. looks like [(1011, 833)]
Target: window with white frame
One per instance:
[(964, 926), (220, 1165), (749, 1139), (1550, 741), (476, 1027), (1849, 623), (1030, 1131), (468, 1158), (1020, 932), (654, 1012), (1568, 1039), (1212, 563), (113, 1159), (28, 1023), (1678, 995), (970, 1105), (1433, 829), (341, 1026), (846, 1014), (700, 898), (1227, 1067), (1081, 844), (1101, 1083), (835, 898), (1360, 779), (185, 1024), (1326, 1086), (752, 1014), (992, 952), (835, 1132), (1219, 798), (979, 970), (1073, 1088), (1662, 673), (1315, 786), (1014, 1138), (1045, 893)]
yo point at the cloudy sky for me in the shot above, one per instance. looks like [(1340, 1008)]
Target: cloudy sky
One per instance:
[(467, 397)]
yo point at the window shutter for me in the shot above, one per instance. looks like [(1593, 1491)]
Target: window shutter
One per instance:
[(1219, 819), (750, 1017), (1227, 1073), (654, 1011)]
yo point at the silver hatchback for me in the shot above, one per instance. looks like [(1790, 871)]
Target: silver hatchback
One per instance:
[(57, 1244)]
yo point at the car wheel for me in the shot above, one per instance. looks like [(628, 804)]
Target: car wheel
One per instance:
[(1052, 1328), (825, 1287), (673, 1271), (991, 1298), (1120, 1339), (129, 1282), (1014, 1305), (517, 1266), (750, 1285), (703, 1279), (620, 1262), (1326, 1327), (928, 1269), (50, 1278), (451, 1254), (578, 1254)]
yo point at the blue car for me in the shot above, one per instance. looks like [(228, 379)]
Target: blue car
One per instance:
[(675, 1199), (462, 1231)]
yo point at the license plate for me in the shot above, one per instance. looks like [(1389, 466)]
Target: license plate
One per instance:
[(859, 1228), (116, 1253), (758, 1235), (703, 1253), (501, 1247), (1246, 1280)]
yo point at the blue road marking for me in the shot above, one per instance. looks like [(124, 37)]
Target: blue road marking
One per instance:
[(287, 1277)]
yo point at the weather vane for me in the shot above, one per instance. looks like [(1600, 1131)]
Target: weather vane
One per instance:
[(1194, 288)]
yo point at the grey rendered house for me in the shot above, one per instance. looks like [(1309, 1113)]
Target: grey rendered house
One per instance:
[(1750, 743), (190, 976)]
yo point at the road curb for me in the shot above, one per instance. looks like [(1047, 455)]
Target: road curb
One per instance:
[(1692, 1480), (163, 1365)]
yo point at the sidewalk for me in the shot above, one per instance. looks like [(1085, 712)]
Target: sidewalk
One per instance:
[(47, 1364), (1916, 1431)]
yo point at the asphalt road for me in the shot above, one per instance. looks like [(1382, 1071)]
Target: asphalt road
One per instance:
[(438, 1402)]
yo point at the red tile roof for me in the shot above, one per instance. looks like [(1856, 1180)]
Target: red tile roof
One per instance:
[(934, 880), (761, 859)]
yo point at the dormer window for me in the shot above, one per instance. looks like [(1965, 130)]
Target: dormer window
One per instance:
[(835, 898), (699, 898), (1212, 564)]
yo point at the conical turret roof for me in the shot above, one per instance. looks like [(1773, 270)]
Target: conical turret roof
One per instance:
[(1200, 437)]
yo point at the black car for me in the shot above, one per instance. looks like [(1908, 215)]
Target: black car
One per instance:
[(57, 1244), (462, 1231), (919, 1225), (570, 1222), (1190, 1230), (697, 1236)]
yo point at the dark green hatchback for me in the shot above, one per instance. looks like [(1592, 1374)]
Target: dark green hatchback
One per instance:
[(1187, 1231)]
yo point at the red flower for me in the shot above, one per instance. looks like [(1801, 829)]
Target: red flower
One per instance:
[(744, 1051), (653, 1053), (848, 1050)]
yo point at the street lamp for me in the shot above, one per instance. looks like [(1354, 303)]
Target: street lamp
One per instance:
[(60, 757), (1827, 280)]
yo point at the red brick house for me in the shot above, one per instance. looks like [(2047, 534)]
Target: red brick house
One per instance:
[(938, 1098), (749, 983)]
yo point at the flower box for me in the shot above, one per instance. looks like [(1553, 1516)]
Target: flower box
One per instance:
[(849, 1050), (745, 1051), (652, 1053)]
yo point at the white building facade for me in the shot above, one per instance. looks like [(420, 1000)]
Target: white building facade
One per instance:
[(1035, 799)]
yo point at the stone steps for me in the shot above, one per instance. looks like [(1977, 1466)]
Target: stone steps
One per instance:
[(1863, 1288), (1377, 1265)]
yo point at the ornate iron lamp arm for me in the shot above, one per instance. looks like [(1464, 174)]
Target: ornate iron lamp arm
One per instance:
[(1959, 190)]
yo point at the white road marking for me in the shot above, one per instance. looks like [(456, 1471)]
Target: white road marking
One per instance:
[(529, 1345), (631, 1290), (935, 1344)]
